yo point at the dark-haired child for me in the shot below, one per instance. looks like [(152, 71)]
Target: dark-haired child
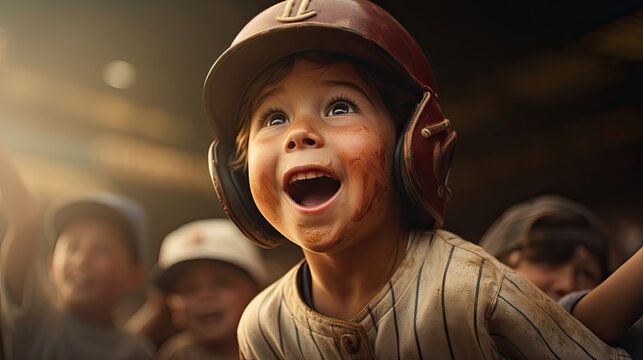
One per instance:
[(561, 247), (554, 242)]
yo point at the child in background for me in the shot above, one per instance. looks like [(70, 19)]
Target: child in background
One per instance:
[(210, 272), (329, 135), (554, 242), (558, 245), (98, 250)]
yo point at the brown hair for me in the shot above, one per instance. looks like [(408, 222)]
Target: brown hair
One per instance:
[(553, 239), (398, 99)]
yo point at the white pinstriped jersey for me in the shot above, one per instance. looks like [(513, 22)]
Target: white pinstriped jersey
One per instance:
[(447, 300)]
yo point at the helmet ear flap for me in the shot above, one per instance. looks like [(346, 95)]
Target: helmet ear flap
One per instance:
[(446, 151), (232, 188), (423, 156)]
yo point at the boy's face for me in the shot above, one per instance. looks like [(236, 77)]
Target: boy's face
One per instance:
[(91, 266), (320, 157), (209, 298)]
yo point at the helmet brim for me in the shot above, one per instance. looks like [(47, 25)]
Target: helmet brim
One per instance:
[(236, 69)]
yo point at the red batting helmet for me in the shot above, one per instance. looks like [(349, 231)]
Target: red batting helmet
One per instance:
[(358, 29)]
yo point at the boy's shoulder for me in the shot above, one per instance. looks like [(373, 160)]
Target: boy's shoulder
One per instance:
[(61, 335), (458, 266), (262, 318), (272, 298), (184, 346), (439, 248), (82, 339), (462, 251)]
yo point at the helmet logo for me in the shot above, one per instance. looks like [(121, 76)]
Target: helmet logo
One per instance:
[(302, 14), (196, 239)]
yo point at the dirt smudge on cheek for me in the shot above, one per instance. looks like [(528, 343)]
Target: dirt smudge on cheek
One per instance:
[(372, 168), (373, 187), (381, 154), (265, 198), (361, 128), (341, 234)]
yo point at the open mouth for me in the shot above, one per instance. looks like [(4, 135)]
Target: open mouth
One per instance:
[(211, 317), (312, 188)]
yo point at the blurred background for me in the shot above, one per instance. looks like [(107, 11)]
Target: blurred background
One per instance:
[(547, 97)]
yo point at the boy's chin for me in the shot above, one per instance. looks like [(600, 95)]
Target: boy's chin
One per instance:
[(86, 303), (82, 308), (76, 301), (322, 240), (213, 337)]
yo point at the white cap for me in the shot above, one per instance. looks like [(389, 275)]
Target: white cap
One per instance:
[(214, 239)]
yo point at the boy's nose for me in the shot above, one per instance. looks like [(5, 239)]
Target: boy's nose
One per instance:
[(302, 134), (80, 257), (564, 283)]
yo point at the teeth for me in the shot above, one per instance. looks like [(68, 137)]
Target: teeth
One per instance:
[(306, 176)]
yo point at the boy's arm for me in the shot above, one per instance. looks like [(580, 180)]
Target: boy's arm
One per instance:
[(615, 304), (526, 323), (18, 248)]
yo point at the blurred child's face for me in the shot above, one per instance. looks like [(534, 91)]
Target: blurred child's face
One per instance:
[(582, 271), (209, 298), (320, 156), (91, 266)]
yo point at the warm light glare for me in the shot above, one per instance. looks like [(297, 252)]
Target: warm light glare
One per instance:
[(3, 44), (119, 74)]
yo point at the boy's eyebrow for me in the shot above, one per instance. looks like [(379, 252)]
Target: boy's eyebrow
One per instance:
[(276, 90), (262, 98), (352, 86)]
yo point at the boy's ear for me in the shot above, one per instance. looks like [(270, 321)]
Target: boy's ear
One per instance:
[(137, 277), (513, 258)]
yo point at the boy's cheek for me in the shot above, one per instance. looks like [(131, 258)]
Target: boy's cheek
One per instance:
[(369, 158), (372, 186), (372, 172), (263, 187), (365, 143), (177, 304)]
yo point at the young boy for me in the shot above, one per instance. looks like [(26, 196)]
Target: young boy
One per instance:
[(554, 242), (341, 148), (209, 272), (560, 246), (97, 258)]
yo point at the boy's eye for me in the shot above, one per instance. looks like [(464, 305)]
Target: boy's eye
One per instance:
[(587, 275), (276, 119), (340, 108)]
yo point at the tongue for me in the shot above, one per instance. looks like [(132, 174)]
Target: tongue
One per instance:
[(315, 199), (313, 192)]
